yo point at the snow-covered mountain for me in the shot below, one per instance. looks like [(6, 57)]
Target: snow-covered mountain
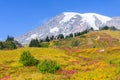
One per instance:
[(66, 23), (114, 22), (90, 18)]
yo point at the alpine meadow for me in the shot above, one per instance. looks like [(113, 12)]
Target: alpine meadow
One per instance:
[(76, 43)]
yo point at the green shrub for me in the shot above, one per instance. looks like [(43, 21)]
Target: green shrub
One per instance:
[(9, 45), (44, 44), (82, 36), (75, 43), (48, 66), (27, 59), (57, 43)]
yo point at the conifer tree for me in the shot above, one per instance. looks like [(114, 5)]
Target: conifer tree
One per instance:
[(1, 45), (34, 43), (47, 39)]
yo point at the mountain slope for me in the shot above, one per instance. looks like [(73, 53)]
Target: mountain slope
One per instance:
[(66, 23), (114, 22), (92, 39), (89, 18)]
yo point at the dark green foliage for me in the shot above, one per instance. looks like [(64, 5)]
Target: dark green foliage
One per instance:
[(71, 35), (41, 40), (82, 36), (57, 43), (94, 47), (104, 28), (78, 33), (44, 44), (84, 32), (48, 66), (108, 28), (91, 29), (67, 37), (34, 43), (113, 28), (110, 62), (60, 36), (75, 34), (10, 38), (9, 45), (1, 45), (52, 38), (47, 39), (75, 43), (27, 59)]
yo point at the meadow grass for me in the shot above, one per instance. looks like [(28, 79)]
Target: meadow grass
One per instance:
[(80, 64)]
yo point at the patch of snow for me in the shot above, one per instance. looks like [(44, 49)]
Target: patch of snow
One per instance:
[(102, 18), (53, 30), (40, 35), (68, 16), (33, 36), (86, 17), (90, 19)]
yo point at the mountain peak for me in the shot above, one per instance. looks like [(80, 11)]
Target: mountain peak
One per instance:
[(70, 13), (89, 18), (68, 16), (66, 23)]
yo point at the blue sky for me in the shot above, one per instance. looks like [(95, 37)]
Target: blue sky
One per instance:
[(20, 16)]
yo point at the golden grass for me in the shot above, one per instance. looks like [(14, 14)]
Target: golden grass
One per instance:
[(89, 64)]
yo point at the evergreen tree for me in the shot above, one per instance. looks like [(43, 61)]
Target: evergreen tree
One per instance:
[(27, 59), (10, 38), (75, 34), (34, 43), (48, 66), (1, 45), (9, 45), (41, 40), (60, 36), (91, 29), (84, 32), (79, 33), (52, 38), (71, 35), (108, 28), (104, 28), (66, 36), (47, 39), (113, 28)]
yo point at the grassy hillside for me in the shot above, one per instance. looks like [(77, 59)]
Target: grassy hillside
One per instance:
[(97, 57), (93, 39), (77, 64)]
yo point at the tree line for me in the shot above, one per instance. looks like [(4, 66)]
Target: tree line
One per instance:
[(36, 42), (9, 43)]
